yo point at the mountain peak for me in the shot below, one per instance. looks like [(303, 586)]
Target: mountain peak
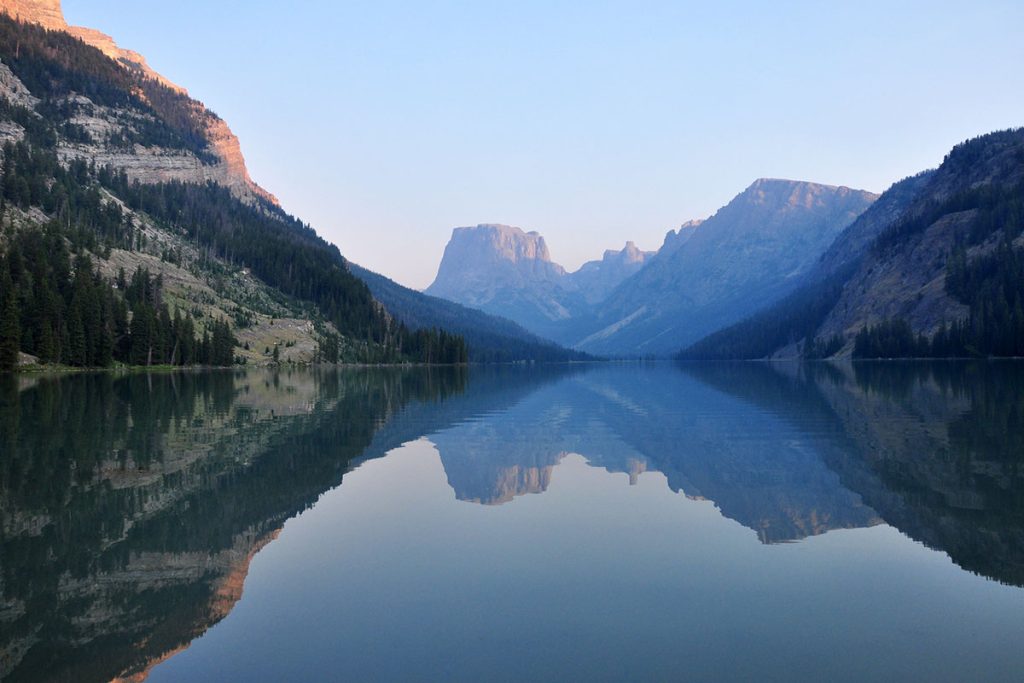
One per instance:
[(230, 172), (502, 242), (46, 13)]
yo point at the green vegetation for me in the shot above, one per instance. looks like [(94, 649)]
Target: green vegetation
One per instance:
[(86, 218), (60, 310)]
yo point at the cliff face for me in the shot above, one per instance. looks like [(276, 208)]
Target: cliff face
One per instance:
[(147, 164), (505, 271)]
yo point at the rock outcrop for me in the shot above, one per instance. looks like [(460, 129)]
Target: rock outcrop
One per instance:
[(147, 164)]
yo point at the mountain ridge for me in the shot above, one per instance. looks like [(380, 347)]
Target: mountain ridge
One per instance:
[(231, 170)]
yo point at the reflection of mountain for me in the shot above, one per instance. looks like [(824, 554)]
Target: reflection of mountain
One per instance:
[(762, 471), (131, 507), (128, 530), (937, 449)]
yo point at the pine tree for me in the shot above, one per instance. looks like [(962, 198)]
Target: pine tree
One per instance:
[(10, 329)]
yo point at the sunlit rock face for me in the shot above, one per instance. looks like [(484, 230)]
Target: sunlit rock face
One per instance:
[(148, 164)]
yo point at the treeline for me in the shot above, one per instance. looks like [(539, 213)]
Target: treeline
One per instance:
[(32, 176), (992, 285), (61, 310)]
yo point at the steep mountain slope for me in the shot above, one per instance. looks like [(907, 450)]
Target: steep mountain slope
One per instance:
[(505, 271), (783, 328), (219, 159), (749, 254), (206, 255), (935, 271), (490, 338)]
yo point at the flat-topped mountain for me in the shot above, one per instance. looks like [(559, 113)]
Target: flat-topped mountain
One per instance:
[(507, 271), (707, 274)]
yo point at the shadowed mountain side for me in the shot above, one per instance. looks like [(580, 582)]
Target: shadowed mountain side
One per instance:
[(937, 261), (490, 338)]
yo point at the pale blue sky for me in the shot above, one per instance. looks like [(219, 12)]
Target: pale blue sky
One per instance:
[(386, 124)]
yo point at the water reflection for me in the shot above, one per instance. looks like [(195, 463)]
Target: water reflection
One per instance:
[(132, 506)]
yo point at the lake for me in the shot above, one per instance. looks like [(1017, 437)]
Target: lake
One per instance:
[(582, 522)]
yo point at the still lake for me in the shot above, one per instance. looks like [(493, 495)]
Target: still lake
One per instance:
[(582, 522)]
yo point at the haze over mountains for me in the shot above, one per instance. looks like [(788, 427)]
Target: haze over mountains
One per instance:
[(706, 275)]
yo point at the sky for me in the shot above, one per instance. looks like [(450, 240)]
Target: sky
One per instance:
[(385, 125)]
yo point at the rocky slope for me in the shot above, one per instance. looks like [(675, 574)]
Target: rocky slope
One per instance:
[(146, 163), (750, 253), (904, 276), (891, 264), (505, 271)]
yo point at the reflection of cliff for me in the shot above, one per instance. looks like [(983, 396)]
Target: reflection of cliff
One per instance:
[(762, 471), (129, 530)]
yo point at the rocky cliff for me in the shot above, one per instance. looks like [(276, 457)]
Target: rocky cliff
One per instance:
[(147, 164), (506, 271)]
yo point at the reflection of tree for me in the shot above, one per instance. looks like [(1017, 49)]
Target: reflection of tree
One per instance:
[(940, 454), (132, 505)]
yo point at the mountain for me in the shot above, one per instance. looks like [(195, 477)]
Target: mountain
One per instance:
[(113, 176), (595, 279), (936, 268), (505, 271), (750, 253), (490, 338), (223, 162)]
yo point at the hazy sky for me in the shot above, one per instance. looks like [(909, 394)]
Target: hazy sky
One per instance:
[(385, 125)]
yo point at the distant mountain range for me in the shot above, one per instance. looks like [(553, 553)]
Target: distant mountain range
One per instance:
[(631, 303)]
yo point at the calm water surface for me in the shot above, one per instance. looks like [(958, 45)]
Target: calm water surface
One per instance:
[(594, 522)]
